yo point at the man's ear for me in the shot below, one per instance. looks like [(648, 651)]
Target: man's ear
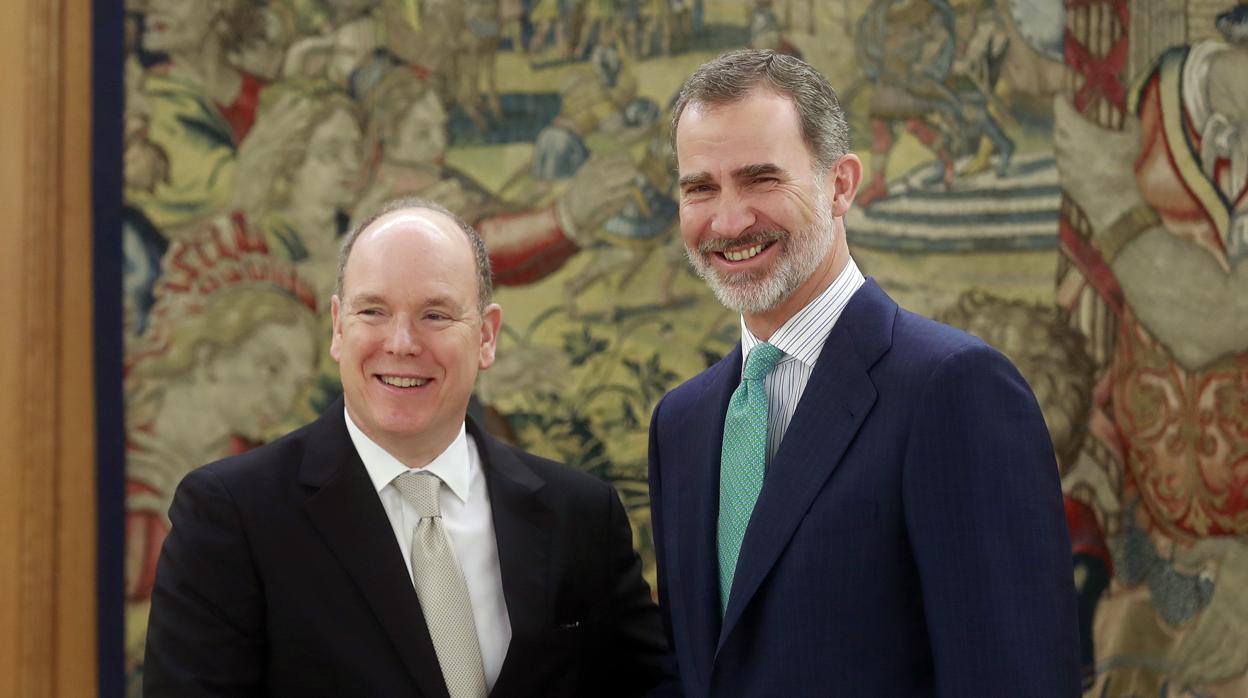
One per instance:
[(335, 341), (842, 183), (491, 322)]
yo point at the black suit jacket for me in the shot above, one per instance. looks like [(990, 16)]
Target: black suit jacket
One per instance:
[(281, 576)]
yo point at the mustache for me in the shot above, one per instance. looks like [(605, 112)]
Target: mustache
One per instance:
[(756, 237)]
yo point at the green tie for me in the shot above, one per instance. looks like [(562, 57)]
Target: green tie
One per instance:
[(742, 461)]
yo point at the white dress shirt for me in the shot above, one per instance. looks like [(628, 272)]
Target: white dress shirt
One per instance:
[(466, 514), (801, 339)]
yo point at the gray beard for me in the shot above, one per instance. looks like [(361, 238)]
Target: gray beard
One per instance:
[(758, 292)]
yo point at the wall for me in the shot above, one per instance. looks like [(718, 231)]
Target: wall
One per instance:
[(47, 501)]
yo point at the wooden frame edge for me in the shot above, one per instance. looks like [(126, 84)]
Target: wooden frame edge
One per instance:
[(47, 414)]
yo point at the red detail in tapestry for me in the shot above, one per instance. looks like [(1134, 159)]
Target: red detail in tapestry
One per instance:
[(1092, 265), (241, 113), (1086, 536), (1102, 75)]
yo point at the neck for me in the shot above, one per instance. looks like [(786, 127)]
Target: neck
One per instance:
[(412, 451), (763, 325)]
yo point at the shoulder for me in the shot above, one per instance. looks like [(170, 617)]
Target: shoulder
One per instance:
[(931, 358), (692, 396), (949, 369), (561, 481), (931, 343), (259, 469)]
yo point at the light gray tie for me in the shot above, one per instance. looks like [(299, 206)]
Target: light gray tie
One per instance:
[(442, 590)]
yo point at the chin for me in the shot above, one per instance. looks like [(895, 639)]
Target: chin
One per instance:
[(403, 424)]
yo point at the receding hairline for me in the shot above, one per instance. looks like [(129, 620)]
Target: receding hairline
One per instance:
[(432, 219), (442, 222), (421, 207), (735, 75), (760, 88)]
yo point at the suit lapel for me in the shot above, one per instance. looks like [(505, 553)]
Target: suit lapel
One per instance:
[(697, 505), (522, 529), (834, 405), (346, 511)]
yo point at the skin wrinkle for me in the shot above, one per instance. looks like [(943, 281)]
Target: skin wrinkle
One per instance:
[(743, 184), (410, 311)]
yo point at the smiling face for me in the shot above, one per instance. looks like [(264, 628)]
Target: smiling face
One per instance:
[(409, 337), (759, 223)]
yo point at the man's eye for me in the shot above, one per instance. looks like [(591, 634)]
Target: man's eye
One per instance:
[(370, 312)]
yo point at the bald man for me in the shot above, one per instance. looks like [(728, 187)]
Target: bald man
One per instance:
[(392, 547)]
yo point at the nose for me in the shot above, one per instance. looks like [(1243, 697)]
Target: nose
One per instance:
[(732, 215), (402, 338)]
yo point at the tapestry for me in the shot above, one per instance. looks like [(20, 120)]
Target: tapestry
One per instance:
[(1067, 179)]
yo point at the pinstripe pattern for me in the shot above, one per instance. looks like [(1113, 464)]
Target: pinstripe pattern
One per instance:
[(801, 339)]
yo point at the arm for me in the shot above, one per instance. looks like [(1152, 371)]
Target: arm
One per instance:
[(205, 636), (635, 652), (984, 513)]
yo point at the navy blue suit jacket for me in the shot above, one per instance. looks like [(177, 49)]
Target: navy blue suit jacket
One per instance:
[(909, 539)]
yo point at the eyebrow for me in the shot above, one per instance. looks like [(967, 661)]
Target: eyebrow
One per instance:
[(694, 179), (444, 302), (366, 299), (758, 170), (741, 173), (374, 299)]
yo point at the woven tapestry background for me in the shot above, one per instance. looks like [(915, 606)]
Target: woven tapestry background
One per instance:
[(1067, 179)]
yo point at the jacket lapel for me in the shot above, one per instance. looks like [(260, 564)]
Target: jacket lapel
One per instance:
[(697, 505), (345, 509), (834, 405), (522, 529)]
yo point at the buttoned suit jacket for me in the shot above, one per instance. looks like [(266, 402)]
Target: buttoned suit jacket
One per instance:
[(909, 538), (281, 576)]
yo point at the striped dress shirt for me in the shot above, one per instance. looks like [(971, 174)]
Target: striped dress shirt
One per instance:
[(801, 339)]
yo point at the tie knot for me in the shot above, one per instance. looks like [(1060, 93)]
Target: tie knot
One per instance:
[(763, 358), (421, 490)]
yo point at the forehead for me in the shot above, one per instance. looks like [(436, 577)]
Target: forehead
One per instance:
[(759, 128), (413, 251)]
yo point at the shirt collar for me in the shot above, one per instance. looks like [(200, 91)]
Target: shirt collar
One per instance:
[(451, 465), (802, 336)]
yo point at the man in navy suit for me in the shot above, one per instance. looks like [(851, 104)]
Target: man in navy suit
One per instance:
[(856, 501)]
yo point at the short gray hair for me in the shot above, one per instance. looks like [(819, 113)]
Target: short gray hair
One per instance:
[(732, 76), (481, 256)]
